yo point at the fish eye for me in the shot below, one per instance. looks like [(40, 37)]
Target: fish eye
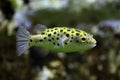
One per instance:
[(83, 39)]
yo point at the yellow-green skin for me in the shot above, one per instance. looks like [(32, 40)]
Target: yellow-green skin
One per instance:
[(62, 39)]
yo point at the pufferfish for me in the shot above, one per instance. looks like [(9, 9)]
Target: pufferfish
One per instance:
[(58, 39)]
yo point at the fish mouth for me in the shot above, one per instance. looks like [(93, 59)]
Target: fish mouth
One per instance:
[(94, 43)]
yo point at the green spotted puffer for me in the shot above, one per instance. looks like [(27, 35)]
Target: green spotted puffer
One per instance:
[(59, 39)]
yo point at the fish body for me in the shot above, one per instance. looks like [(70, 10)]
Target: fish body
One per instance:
[(59, 39)]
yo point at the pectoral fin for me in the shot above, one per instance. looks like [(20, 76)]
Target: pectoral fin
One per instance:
[(64, 39)]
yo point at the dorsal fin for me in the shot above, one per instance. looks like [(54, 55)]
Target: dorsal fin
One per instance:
[(39, 27)]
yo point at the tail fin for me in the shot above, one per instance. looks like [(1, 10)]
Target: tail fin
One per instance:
[(22, 40)]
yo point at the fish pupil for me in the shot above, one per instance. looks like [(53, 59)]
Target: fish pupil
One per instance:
[(83, 39)]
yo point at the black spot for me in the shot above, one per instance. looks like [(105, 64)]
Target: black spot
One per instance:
[(77, 34), (30, 40), (80, 34), (42, 33), (51, 30), (54, 32), (49, 39), (67, 35), (44, 37), (77, 41), (85, 34), (47, 30), (54, 43), (52, 38), (58, 44), (61, 30), (71, 37), (70, 40), (68, 29), (66, 43), (57, 38), (49, 34), (40, 40), (58, 34), (64, 32), (55, 28), (72, 31)]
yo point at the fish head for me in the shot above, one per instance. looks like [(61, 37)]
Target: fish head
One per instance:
[(87, 40)]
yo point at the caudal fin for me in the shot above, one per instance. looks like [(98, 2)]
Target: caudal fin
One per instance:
[(22, 38)]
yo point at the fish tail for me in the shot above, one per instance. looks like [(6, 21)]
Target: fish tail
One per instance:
[(22, 38)]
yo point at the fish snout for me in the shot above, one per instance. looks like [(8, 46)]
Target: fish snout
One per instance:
[(93, 42)]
